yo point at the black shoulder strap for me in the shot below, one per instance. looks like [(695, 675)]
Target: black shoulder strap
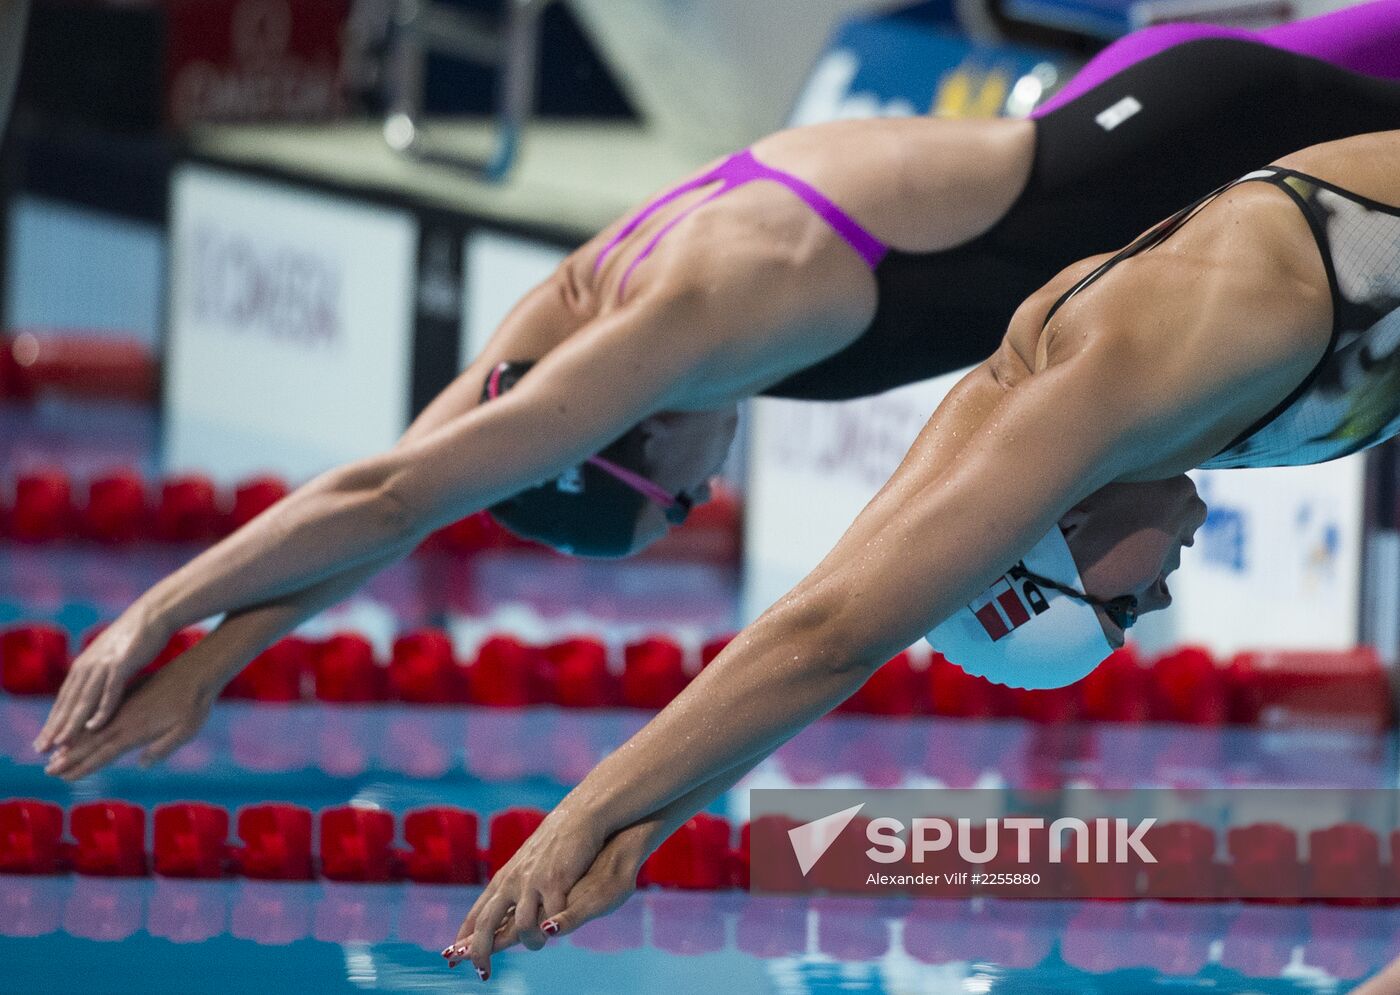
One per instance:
[(1153, 237)]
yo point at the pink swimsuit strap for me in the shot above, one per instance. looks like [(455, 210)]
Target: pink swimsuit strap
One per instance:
[(733, 172)]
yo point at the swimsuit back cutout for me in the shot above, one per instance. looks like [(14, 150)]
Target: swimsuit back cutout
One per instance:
[(1351, 398), (734, 172)]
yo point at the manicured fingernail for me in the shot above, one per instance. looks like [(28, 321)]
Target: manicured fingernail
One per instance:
[(483, 975), (447, 951), (550, 926)]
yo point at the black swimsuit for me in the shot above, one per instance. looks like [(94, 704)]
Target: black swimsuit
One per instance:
[(1211, 109), (1351, 398)]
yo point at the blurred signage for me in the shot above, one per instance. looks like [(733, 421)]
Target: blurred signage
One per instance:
[(812, 468), (1278, 561), (253, 60), (290, 329), (499, 270), (891, 68)]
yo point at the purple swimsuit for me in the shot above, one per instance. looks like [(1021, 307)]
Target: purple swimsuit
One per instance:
[(738, 169), (1361, 39)]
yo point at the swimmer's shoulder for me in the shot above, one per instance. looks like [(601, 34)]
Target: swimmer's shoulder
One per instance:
[(1367, 165), (1027, 334)]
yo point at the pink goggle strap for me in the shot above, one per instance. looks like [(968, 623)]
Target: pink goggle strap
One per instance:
[(646, 488)]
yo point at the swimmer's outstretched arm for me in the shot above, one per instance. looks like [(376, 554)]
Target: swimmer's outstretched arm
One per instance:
[(924, 546), (1108, 403), (361, 516), (171, 707)]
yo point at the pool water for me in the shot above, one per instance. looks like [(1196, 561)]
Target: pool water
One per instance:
[(95, 935), (234, 936)]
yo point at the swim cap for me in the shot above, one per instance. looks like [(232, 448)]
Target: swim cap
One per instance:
[(588, 510), (1023, 634)]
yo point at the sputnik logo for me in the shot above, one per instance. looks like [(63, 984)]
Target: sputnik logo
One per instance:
[(812, 839)]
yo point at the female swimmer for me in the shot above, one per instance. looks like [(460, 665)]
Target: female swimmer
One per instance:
[(825, 262), (1259, 326)]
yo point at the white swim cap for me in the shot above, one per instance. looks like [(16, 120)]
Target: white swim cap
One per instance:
[(1022, 634)]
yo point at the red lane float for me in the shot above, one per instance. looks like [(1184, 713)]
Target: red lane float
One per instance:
[(42, 508), (507, 831), (277, 674), (253, 497), (109, 839), (507, 673), (89, 364), (653, 673), (33, 659), (358, 844), (188, 510), (1336, 689), (1264, 861), (442, 846), (121, 507), (31, 834), (346, 672), (191, 840), (892, 690), (1292, 687), (423, 669), (276, 842), (117, 510), (695, 857), (1344, 864), (581, 678)]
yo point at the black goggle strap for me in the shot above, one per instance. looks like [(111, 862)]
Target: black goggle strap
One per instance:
[(1123, 610)]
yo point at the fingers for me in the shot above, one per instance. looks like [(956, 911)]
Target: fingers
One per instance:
[(111, 697), (528, 929), (482, 942), (166, 744), (48, 736), (59, 727), (88, 754), (587, 901)]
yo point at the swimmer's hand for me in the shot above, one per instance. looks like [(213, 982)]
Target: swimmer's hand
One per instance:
[(97, 681), (563, 875), (162, 713)]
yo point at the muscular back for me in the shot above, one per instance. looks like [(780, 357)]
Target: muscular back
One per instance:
[(781, 289), (1213, 326)]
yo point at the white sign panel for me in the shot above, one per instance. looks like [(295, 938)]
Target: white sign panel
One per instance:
[(812, 468), (1278, 562), (291, 319), (498, 270)]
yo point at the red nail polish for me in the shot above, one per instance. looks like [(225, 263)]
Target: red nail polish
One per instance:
[(550, 926), (483, 975)]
